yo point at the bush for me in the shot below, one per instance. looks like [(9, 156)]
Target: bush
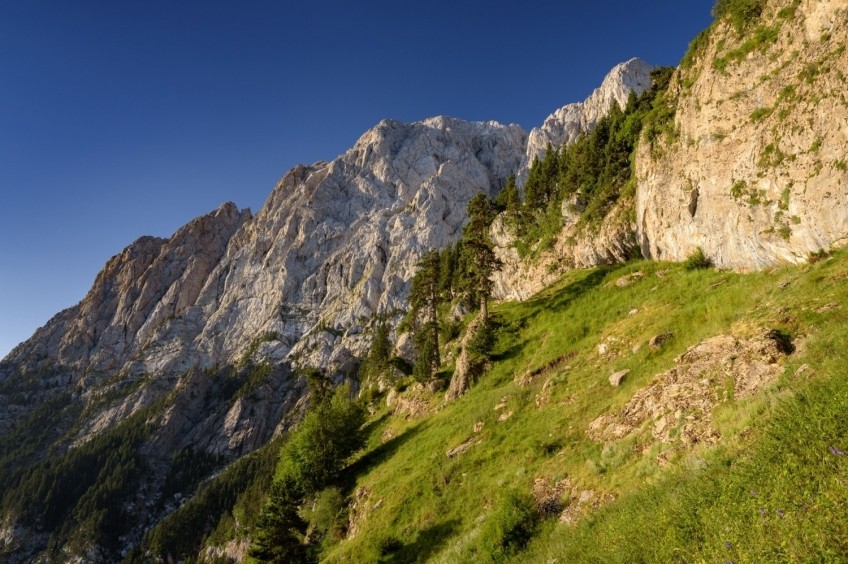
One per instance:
[(329, 513), (510, 526), (741, 12), (697, 260)]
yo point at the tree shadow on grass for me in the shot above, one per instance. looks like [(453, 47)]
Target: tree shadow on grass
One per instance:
[(426, 544), (373, 458)]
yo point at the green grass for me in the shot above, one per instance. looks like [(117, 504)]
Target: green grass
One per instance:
[(698, 507)]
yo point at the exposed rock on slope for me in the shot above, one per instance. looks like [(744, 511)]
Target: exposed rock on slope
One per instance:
[(678, 404), (196, 334), (756, 171), (614, 241)]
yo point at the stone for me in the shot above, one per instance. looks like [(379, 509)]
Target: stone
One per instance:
[(616, 378), (459, 449)]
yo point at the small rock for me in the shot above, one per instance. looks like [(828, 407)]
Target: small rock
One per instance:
[(657, 341), (628, 280), (616, 378), (602, 349), (504, 416), (633, 311), (502, 404), (460, 449), (478, 426), (801, 369)]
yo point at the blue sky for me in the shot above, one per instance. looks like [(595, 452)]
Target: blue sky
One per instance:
[(123, 119)]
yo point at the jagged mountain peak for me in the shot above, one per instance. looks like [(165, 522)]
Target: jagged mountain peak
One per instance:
[(564, 125)]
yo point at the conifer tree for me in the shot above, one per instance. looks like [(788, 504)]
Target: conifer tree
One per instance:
[(479, 253), (424, 301)]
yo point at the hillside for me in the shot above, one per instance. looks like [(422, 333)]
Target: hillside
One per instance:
[(314, 381), (722, 441)]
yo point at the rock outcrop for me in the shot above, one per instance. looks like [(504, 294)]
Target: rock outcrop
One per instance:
[(677, 406), (755, 170)]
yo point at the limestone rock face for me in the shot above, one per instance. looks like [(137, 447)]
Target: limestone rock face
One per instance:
[(337, 243), (756, 173), (614, 241), (567, 123), (150, 282)]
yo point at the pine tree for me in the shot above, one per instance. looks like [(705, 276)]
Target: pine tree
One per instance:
[(424, 301), (479, 254), (280, 528), (379, 355)]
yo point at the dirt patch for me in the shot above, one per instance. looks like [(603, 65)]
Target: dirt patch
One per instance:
[(677, 406)]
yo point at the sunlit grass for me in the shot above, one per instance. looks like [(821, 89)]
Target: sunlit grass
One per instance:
[(423, 505)]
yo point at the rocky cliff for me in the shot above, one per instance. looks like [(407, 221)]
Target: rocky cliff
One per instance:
[(753, 169)]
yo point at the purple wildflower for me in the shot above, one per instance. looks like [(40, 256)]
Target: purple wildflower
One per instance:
[(836, 451), (780, 512), (728, 545)]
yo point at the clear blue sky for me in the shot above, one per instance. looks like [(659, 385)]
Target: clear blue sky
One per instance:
[(127, 118)]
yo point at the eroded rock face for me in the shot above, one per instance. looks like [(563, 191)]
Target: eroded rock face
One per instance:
[(337, 243), (614, 241), (757, 172)]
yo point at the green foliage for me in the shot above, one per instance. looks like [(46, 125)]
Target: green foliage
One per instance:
[(280, 527), (309, 461), (696, 48), (544, 375), (328, 516), (84, 491), (760, 114), (478, 252), (760, 40), (424, 299), (240, 486), (594, 171), (741, 13), (315, 453), (188, 467), (510, 526), (697, 260)]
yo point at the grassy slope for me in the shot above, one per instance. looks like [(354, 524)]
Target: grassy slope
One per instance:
[(773, 488)]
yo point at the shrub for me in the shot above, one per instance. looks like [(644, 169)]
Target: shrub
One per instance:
[(329, 513), (741, 12), (696, 260)]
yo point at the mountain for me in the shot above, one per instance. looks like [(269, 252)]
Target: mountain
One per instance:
[(146, 421), (203, 332)]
